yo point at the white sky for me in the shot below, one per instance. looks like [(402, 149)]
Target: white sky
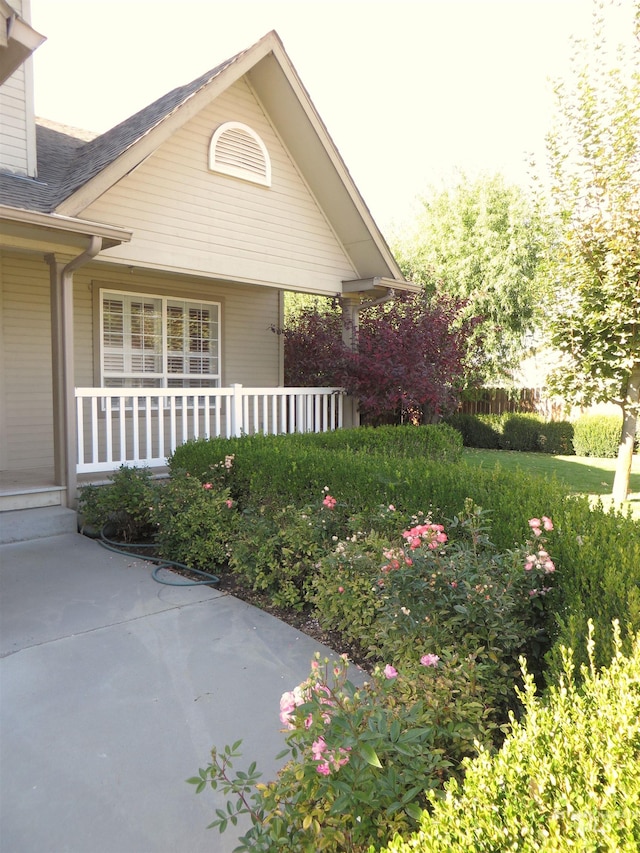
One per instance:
[(409, 92)]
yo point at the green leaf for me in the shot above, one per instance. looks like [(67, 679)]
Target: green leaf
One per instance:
[(369, 754), (413, 810)]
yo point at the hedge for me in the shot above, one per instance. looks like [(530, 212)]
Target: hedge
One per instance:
[(597, 553), (567, 777), (597, 435), (518, 432)]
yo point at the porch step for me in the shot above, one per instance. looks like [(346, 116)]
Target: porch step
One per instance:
[(20, 525), (30, 498)]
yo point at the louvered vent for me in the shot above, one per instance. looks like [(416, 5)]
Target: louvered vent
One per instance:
[(237, 150)]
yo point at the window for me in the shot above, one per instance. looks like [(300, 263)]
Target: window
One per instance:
[(156, 342), (237, 150)]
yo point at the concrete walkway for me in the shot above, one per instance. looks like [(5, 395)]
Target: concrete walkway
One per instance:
[(114, 688)]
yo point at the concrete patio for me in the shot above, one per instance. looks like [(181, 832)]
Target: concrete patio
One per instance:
[(114, 688)]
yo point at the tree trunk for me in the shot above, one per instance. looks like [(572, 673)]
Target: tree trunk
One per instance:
[(629, 425)]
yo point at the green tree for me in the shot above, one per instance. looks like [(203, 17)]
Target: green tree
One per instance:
[(594, 260), (479, 241)]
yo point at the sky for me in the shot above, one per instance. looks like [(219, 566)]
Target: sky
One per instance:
[(410, 92)]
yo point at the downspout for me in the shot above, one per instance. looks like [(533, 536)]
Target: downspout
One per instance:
[(64, 366)]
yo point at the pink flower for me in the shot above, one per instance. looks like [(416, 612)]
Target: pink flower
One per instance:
[(207, 485), (229, 503), (390, 671), (429, 660), (323, 769), (340, 589), (534, 522), (289, 701), (547, 523), (329, 502), (392, 508), (317, 748)]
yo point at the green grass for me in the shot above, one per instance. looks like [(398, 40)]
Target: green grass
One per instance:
[(583, 475)]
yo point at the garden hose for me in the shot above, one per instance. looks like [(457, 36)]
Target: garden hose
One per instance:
[(110, 545)]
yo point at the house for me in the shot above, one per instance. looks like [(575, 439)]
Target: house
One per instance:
[(141, 270)]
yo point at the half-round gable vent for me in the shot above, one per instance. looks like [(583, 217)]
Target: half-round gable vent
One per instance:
[(237, 150)]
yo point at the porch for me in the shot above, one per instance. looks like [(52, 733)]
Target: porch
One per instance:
[(143, 426)]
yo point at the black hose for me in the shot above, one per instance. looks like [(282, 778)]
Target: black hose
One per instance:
[(110, 545)]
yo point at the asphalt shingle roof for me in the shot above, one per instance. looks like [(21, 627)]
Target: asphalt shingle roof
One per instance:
[(68, 158)]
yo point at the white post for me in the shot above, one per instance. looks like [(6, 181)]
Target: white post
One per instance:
[(236, 410), (350, 324)]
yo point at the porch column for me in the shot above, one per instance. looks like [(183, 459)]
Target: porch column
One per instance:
[(60, 366), (62, 343), (350, 323)]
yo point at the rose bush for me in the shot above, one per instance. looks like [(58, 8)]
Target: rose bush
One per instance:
[(359, 756)]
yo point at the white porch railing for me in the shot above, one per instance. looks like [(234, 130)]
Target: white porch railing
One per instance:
[(142, 426)]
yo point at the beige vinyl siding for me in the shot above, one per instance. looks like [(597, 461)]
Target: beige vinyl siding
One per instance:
[(17, 120), (187, 218), (27, 416), (250, 350), (13, 125)]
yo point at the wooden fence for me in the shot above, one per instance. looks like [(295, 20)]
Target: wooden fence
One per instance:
[(497, 401)]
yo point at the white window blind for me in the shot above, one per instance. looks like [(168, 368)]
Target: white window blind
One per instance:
[(157, 342)]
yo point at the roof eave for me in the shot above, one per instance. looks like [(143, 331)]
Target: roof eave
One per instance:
[(27, 229), (18, 40)]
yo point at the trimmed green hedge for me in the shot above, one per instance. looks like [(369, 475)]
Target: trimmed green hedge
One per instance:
[(482, 431), (597, 435), (597, 553), (522, 432), (566, 779)]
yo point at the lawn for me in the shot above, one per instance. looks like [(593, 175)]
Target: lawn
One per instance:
[(581, 474)]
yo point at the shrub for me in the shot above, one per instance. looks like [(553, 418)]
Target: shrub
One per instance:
[(359, 758), (567, 777), (124, 505), (597, 435), (521, 432), (460, 594), (195, 522), (478, 430), (275, 551), (596, 553), (598, 556), (556, 437), (343, 588)]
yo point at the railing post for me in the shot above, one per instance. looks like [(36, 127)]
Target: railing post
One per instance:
[(236, 411)]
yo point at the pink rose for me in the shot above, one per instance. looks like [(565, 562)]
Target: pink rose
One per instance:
[(547, 523), (324, 769), (229, 503), (329, 502), (429, 660), (534, 522), (390, 671), (317, 748), (207, 485)]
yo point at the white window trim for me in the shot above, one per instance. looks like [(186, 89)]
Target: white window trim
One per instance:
[(157, 379), (247, 174)]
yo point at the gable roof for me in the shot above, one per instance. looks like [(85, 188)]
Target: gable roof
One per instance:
[(74, 171)]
